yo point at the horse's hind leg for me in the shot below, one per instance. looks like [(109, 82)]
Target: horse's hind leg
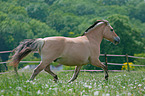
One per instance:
[(16, 71), (38, 69), (97, 63), (47, 69), (75, 75)]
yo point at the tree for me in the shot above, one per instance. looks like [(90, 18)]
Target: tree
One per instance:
[(64, 23), (114, 2), (139, 12), (38, 11), (40, 30), (140, 61), (50, 2)]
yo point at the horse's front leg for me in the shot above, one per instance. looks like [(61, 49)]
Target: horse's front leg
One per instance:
[(75, 75), (97, 63)]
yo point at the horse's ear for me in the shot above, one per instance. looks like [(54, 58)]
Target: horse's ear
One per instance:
[(106, 22)]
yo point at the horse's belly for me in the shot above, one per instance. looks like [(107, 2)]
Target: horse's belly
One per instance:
[(72, 61)]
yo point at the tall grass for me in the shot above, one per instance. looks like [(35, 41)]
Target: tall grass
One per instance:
[(87, 84)]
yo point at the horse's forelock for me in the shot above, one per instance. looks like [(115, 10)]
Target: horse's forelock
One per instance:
[(106, 22)]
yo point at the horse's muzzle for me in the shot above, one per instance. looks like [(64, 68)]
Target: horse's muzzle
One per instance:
[(116, 40)]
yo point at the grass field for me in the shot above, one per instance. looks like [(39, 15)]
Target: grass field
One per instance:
[(87, 84)]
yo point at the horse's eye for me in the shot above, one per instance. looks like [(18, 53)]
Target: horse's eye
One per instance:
[(111, 30)]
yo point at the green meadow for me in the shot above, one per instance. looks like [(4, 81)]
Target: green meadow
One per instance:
[(87, 84)]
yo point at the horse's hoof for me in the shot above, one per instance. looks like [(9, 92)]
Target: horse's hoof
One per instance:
[(70, 81), (55, 80), (106, 77)]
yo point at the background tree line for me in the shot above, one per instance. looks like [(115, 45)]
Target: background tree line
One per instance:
[(23, 19)]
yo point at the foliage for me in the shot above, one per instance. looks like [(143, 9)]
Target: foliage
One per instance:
[(38, 11), (68, 67), (1, 66), (139, 11), (140, 61), (23, 19), (87, 83), (55, 64), (40, 29), (32, 57)]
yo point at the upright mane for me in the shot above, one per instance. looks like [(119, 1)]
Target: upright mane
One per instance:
[(95, 23)]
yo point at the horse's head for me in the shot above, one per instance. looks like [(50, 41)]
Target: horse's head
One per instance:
[(110, 34)]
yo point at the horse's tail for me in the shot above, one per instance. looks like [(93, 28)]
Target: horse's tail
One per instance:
[(24, 48)]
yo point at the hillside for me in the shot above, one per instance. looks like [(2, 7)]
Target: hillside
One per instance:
[(23, 19)]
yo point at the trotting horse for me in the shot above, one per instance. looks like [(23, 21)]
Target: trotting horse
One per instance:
[(68, 51)]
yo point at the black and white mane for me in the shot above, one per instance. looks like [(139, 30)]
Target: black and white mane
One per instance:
[(92, 26)]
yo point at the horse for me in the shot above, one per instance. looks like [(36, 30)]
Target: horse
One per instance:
[(67, 51)]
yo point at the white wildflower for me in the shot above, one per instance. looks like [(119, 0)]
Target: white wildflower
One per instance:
[(28, 81), (103, 94), (87, 86), (107, 94), (18, 88), (129, 94), (90, 87), (131, 84), (33, 83), (96, 93), (46, 86), (140, 85), (38, 92), (55, 89), (24, 86), (2, 90), (70, 90)]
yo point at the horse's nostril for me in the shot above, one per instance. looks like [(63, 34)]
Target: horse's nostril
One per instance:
[(116, 40)]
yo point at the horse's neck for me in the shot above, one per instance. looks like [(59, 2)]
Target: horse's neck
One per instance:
[(95, 35)]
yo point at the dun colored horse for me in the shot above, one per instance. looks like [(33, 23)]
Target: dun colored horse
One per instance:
[(77, 51)]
